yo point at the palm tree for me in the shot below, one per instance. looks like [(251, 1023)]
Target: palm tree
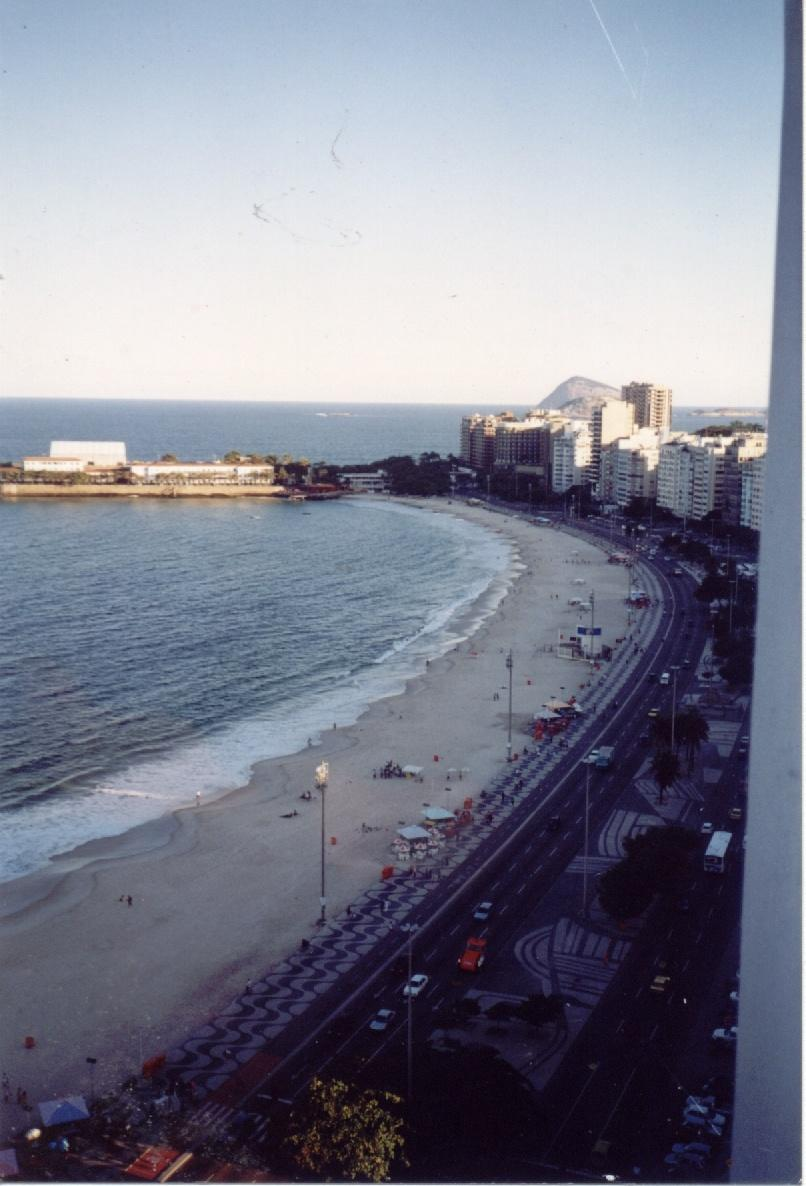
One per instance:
[(665, 770), (691, 728), (661, 732)]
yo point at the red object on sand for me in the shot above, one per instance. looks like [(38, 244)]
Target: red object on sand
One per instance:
[(29, 1042), (386, 872)]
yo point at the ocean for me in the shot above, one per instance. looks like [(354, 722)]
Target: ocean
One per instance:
[(155, 649)]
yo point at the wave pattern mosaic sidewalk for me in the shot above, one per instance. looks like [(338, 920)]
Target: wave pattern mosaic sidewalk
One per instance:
[(569, 957)]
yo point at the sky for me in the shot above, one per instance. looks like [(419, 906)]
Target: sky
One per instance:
[(425, 201)]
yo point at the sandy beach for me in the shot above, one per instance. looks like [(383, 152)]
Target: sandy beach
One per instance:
[(222, 890)]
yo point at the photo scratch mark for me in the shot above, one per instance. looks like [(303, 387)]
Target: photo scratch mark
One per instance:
[(619, 62)]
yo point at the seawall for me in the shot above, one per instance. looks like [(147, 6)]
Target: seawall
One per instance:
[(178, 490)]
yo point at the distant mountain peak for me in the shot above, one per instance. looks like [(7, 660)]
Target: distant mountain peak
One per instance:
[(585, 394)]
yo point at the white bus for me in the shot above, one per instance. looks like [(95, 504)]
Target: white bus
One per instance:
[(716, 851)]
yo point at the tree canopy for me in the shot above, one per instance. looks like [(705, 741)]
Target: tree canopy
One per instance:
[(345, 1134), (665, 770), (655, 862)]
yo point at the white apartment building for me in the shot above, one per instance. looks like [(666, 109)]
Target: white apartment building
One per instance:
[(742, 449), (752, 497), (693, 474), (612, 420), (570, 456), (628, 467)]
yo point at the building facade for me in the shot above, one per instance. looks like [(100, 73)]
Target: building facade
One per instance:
[(570, 456), (610, 421), (651, 404)]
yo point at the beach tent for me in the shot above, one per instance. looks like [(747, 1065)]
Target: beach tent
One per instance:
[(546, 714), (8, 1164), (64, 1111), (412, 771), (413, 832), (436, 814)]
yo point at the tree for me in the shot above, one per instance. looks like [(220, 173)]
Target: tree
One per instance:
[(665, 769), (660, 732), (691, 730), (340, 1132), (538, 1009), (624, 890), (169, 457), (232, 457)]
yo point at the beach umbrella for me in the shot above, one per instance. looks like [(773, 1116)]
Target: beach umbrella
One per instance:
[(435, 814), (413, 832), (63, 1111), (8, 1164)]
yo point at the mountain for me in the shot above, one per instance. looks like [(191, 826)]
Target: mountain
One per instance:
[(579, 396)]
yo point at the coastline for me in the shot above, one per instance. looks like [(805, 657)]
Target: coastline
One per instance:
[(232, 885)]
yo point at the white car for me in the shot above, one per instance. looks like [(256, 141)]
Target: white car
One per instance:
[(381, 1019), (416, 985), (725, 1035), (706, 829), (482, 911)]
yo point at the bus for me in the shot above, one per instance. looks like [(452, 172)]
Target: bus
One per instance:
[(716, 851)]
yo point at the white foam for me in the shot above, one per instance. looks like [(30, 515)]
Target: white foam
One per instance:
[(222, 760)]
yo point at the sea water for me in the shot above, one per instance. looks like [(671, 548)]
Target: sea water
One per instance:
[(156, 648)]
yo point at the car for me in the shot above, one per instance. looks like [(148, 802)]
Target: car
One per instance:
[(685, 1158), (706, 829), (735, 813), (482, 911), (652, 675), (660, 984), (472, 958), (687, 663), (415, 985), (745, 740), (653, 713), (713, 1124), (553, 823), (382, 1019), (726, 1036), (699, 1147)]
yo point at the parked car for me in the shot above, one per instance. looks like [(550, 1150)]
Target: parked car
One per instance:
[(660, 984), (482, 911), (706, 828), (382, 1019), (728, 1036), (735, 813), (416, 985)]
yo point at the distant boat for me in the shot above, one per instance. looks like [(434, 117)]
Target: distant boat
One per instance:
[(296, 497), (332, 414)]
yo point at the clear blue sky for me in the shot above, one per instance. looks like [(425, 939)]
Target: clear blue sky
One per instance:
[(373, 199)]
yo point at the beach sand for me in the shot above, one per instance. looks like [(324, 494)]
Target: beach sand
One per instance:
[(223, 890)]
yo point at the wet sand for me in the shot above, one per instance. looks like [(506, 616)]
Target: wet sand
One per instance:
[(222, 890)]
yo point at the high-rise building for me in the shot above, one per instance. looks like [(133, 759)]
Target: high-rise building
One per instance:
[(611, 420), (742, 449), (570, 456), (651, 404), (477, 438)]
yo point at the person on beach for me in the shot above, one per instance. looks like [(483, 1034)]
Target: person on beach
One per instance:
[(198, 798), (129, 899), (249, 986)]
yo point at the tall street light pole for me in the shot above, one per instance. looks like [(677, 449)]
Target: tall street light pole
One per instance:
[(409, 1030), (509, 714), (585, 851), (321, 775), (674, 671)]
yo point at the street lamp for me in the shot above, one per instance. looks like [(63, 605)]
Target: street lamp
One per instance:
[(321, 775), (587, 829), (674, 671), (509, 715), (409, 1030)]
